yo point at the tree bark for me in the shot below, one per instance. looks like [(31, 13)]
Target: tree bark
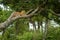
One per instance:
[(10, 20)]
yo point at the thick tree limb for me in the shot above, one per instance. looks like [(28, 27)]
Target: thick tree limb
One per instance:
[(11, 19)]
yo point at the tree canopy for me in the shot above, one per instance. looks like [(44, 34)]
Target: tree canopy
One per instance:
[(38, 12)]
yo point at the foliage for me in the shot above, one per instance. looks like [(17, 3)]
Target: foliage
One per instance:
[(19, 29), (4, 15), (53, 34), (21, 4)]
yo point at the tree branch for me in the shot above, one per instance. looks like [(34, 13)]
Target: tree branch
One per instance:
[(54, 13), (29, 14), (11, 19)]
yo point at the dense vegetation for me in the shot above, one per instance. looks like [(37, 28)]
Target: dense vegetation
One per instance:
[(19, 29)]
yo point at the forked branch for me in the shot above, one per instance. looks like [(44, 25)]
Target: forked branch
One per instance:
[(11, 19)]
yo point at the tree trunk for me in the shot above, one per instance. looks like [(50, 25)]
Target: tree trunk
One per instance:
[(45, 29), (34, 26), (38, 25)]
